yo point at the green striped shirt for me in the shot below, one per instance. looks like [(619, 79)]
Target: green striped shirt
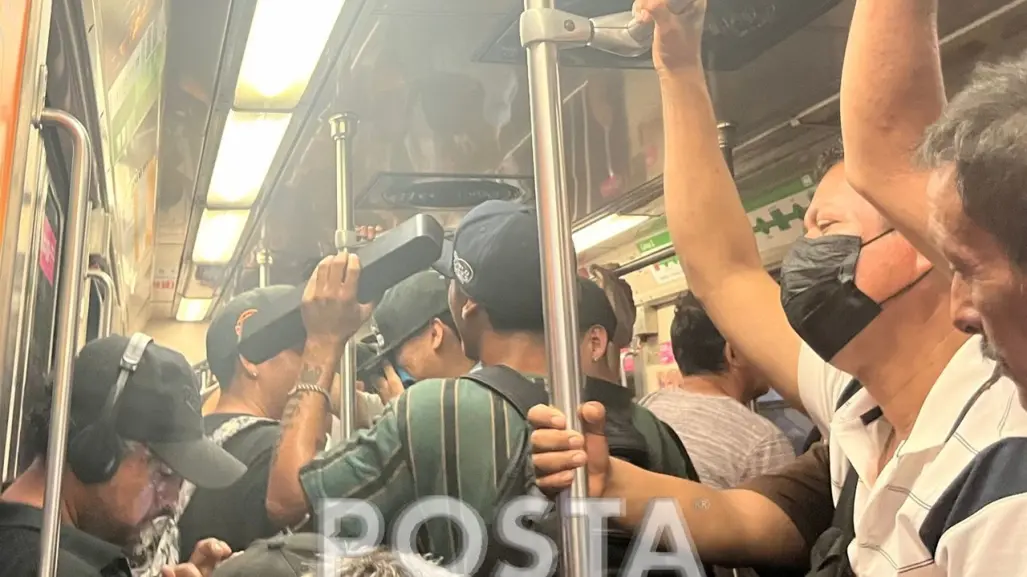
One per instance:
[(460, 440), (465, 461)]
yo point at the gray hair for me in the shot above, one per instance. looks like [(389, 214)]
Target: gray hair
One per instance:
[(981, 135)]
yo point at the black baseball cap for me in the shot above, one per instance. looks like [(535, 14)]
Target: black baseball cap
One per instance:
[(293, 555), (227, 328), (405, 310), (495, 258), (159, 407), (594, 309)]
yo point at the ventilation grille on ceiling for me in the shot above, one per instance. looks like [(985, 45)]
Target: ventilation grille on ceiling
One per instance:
[(442, 192), (737, 31)]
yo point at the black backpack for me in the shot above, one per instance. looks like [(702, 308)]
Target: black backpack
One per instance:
[(625, 442)]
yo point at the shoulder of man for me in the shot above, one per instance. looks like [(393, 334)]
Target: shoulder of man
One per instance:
[(980, 507), (430, 406), (669, 454), (461, 427), (821, 387)]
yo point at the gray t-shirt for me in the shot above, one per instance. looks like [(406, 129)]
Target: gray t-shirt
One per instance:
[(728, 443)]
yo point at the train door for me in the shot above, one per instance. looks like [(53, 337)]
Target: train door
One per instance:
[(40, 305)]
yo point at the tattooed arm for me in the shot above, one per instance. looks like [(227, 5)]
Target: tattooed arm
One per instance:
[(305, 420)]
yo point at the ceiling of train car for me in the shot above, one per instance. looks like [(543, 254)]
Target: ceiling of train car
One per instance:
[(196, 31), (430, 109)]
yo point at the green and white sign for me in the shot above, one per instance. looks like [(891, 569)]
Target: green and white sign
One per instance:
[(776, 219)]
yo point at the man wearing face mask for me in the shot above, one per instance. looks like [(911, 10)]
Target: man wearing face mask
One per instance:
[(853, 292)]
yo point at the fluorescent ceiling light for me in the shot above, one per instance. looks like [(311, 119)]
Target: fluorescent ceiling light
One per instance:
[(248, 147), (286, 40), (218, 235), (604, 229), (192, 310)]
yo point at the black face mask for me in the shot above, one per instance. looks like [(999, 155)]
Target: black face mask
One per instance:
[(819, 293)]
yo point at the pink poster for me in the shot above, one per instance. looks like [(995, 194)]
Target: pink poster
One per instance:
[(48, 251), (666, 353)]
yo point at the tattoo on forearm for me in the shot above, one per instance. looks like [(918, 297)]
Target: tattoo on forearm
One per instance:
[(292, 414), (310, 374)]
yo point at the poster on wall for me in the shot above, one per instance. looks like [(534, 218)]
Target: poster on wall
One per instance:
[(133, 50)]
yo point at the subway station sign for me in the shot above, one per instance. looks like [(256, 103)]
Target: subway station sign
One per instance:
[(776, 220)]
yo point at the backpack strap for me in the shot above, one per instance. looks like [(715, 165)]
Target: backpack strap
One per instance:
[(516, 389), (848, 392)]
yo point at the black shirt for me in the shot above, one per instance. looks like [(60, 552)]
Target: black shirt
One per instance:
[(80, 555), (236, 515)]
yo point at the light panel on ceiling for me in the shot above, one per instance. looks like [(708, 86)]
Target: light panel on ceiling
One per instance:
[(285, 43), (248, 147), (218, 235)]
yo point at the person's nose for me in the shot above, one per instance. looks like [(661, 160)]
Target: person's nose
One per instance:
[(965, 316)]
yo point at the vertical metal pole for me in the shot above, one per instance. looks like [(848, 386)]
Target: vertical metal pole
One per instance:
[(263, 259), (107, 301), (558, 270), (343, 129), (68, 303)]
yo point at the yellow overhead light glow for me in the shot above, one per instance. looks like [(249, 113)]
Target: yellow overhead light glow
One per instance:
[(192, 310), (285, 42), (218, 235), (604, 229), (248, 147)]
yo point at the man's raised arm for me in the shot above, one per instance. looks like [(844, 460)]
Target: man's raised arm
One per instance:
[(892, 89), (707, 222)]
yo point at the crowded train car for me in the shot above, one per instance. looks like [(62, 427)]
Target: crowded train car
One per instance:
[(367, 287)]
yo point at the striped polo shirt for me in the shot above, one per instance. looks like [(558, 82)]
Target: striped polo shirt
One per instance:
[(460, 440), (935, 509)]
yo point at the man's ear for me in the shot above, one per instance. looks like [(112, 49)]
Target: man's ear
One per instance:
[(247, 367), (437, 333), (731, 356), (597, 342)]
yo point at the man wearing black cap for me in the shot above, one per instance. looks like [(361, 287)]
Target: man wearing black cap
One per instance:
[(135, 432), (415, 333), (246, 419)]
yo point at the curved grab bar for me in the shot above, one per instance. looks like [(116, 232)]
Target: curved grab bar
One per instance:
[(106, 303), (68, 305)]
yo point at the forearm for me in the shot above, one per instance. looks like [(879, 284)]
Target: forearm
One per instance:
[(707, 222), (304, 424), (892, 89), (731, 528)]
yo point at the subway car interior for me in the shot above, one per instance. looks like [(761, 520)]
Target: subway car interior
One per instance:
[(205, 143)]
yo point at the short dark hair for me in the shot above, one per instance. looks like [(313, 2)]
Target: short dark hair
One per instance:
[(503, 320), (697, 344), (828, 159), (981, 134)]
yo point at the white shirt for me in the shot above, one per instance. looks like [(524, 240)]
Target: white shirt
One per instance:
[(890, 509)]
